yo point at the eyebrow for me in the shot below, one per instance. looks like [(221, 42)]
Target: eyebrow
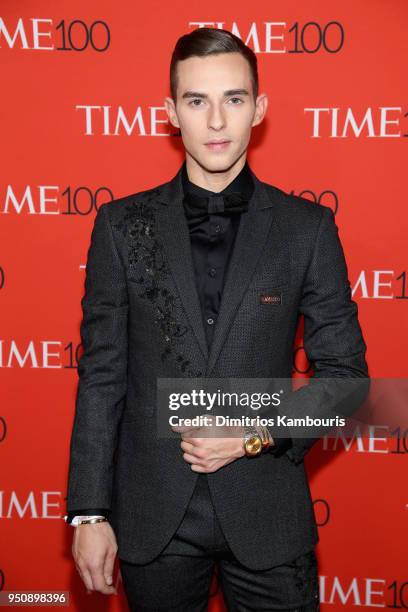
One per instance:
[(229, 92)]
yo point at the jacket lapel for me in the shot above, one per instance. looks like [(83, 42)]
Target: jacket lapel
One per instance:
[(248, 246), (173, 230)]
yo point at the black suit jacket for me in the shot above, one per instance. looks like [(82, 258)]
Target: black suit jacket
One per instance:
[(142, 320)]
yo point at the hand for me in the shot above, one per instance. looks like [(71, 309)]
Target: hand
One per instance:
[(209, 454), (94, 549)]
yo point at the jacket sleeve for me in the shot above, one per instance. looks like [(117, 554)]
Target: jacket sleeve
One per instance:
[(102, 371), (333, 343)]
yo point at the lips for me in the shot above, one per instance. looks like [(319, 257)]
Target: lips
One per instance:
[(216, 141), (217, 145)]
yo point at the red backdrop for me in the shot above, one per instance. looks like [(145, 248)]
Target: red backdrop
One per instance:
[(82, 122)]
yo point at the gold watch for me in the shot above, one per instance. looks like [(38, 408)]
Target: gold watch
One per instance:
[(253, 443)]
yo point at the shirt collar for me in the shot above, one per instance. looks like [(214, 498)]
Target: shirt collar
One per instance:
[(242, 183)]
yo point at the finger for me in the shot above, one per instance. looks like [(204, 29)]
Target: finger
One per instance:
[(208, 468), (192, 459), (98, 580), (198, 468), (196, 451), (192, 438), (183, 428), (187, 446), (108, 568), (86, 577)]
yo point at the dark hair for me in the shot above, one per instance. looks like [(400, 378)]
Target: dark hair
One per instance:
[(211, 41)]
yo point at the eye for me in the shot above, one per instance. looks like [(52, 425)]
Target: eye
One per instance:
[(193, 102)]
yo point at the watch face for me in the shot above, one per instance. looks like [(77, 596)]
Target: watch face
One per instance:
[(253, 445)]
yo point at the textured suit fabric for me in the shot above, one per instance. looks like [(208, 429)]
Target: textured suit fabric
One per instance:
[(180, 577), (142, 320), (211, 239)]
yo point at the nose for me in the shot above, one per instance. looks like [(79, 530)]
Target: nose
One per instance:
[(216, 119)]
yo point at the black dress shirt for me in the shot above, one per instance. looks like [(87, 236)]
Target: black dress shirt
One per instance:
[(212, 241)]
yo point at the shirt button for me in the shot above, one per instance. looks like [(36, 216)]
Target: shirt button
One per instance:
[(217, 228), (210, 321), (212, 271)]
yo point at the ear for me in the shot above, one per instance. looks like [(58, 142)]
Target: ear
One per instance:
[(260, 109), (171, 112)]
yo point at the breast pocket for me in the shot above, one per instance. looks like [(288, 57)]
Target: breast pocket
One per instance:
[(271, 295)]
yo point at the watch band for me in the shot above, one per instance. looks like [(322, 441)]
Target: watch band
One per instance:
[(267, 440)]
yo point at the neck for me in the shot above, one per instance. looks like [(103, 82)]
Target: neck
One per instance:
[(213, 180)]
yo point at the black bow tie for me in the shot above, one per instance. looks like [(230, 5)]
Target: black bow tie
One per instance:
[(199, 207)]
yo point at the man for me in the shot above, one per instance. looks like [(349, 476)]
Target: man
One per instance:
[(205, 276)]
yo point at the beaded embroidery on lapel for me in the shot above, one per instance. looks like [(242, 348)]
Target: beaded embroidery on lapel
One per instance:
[(145, 254)]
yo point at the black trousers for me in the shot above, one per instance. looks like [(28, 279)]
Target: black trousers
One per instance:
[(179, 579)]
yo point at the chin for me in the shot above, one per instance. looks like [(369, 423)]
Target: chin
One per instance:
[(217, 162)]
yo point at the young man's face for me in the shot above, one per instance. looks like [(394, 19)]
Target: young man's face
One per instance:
[(215, 103)]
